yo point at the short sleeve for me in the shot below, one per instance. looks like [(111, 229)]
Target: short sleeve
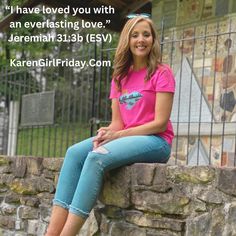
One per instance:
[(114, 90), (164, 80)]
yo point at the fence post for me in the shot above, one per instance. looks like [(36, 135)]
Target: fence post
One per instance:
[(13, 127)]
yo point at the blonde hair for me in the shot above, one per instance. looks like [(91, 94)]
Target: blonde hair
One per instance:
[(123, 55)]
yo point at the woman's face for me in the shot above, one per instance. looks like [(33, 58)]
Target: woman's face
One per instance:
[(141, 40)]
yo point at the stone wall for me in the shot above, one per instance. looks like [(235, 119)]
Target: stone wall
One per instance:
[(137, 200)]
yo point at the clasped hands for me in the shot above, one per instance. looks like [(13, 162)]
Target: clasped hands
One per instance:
[(104, 135)]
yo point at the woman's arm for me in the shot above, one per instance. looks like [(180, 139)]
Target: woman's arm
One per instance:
[(115, 125), (163, 106), (116, 120)]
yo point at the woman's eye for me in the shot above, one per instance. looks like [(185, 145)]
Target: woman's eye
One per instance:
[(146, 35), (134, 35)]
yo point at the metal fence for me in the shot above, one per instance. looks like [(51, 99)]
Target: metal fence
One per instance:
[(204, 111)]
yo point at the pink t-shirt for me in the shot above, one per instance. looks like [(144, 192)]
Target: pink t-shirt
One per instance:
[(137, 98)]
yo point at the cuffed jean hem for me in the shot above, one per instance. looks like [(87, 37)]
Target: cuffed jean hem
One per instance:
[(78, 212), (61, 204), (71, 209)]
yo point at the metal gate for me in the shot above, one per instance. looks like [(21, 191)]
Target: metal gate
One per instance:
[(204, 107)]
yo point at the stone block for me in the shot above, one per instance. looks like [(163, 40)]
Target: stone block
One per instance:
[(194, 175), (212, 196), (230, 226), (20, 234), (52, 163), (42, 227), (90, 227), (32, 227), (45, 198), (112, 212), (24, 186), (45, 212), (19, 225), (227, 181), (29, 201), (168, 203), (49, 174), (160, 181), (116, 190), (7, 222), (199, 225), (45, 185), (5, 169), (4, 160), (34, 165), (194, 207), (8, 233), (7, 209), (217, 224), (26, 212), (154, 221), (12, 197), (3, 189), (153, 232), (123, 228), (6, 179), (142, 174), (105, 225), (19, 169)]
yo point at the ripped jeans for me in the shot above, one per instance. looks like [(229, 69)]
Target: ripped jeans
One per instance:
[(82, 171)]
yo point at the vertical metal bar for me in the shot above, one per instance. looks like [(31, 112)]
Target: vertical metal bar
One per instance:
[(190, 95), (88, 88), (55, 141), (74, 108), (201, 94), (5, 113), (68, 119), (99, 83), (172, 49), (43, 141), (224, 102), (43, 128), (37, 127), (55, 120), (13, 98), (108, 81), (214, 88), (49, 140), (19, 99), (62, 116), (81, 90), (24, 130), (179, 104), (162, 36), (93, 91), (30, 128)]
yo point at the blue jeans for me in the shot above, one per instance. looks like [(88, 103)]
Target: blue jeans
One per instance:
[(82, 171)]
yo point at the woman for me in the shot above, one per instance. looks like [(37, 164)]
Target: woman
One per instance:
[(140, 131)]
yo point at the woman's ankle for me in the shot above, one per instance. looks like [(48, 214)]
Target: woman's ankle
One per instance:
[(73, 225)]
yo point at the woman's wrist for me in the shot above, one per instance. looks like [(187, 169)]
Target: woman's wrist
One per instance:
[(120, 134)]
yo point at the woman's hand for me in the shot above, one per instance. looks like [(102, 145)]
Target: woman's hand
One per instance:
[(97, 139), (105, 135)]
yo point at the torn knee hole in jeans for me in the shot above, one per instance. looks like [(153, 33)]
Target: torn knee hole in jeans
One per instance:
[(101, 150)]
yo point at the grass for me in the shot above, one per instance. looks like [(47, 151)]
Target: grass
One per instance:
[(50, 141)]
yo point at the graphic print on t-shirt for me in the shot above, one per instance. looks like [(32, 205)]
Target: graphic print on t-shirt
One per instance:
[(130, 99)]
